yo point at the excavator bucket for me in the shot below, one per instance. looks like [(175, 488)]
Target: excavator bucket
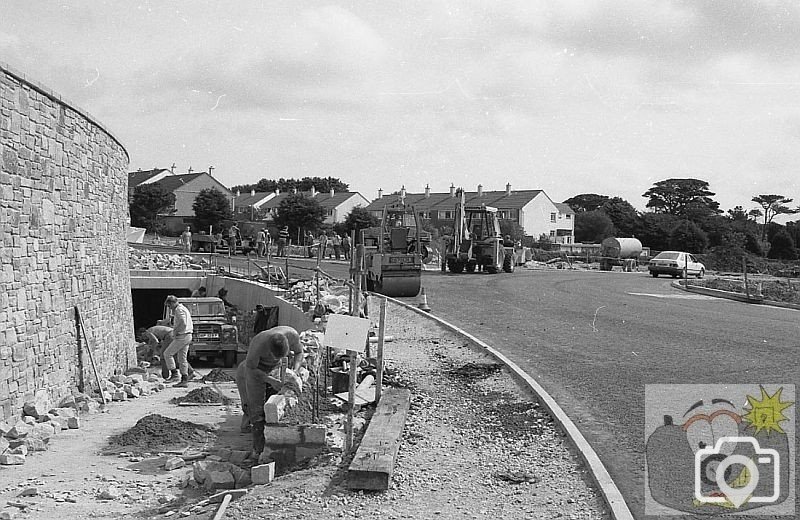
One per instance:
[(407, 284)]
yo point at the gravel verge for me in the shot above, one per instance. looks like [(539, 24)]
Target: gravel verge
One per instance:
[(474, 443)]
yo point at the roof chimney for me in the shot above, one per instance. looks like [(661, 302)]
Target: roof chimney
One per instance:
[(403, 192), (238, 193), (277, 191), (452, 190), (508, 189), (253, 192), (332, 192), (427, 191), (480, 190), (313, 191), (380, 193)]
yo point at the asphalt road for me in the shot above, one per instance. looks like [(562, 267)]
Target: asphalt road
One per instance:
[(595, 339)]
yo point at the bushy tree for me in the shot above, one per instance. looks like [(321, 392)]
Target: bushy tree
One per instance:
[(149, 201), (782, 247), (623, 215), (586, 202), (593, 226), (360, 218), (512, 229), (300, 213), (211, 209), (682, 197), (687, 236), (321, 184), (773, 205), (655, 229)]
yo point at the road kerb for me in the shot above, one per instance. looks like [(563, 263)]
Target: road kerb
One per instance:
[(608, 489)]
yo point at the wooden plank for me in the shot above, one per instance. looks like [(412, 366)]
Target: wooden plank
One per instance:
[(373, 464)]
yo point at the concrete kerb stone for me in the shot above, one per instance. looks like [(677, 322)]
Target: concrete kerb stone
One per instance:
[(608, 489), (717, 293)]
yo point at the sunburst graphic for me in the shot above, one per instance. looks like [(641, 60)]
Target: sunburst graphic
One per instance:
[(766, 413)]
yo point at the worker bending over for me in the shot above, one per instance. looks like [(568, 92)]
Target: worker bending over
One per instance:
[(265, 353)]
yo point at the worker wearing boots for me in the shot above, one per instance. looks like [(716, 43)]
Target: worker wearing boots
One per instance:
[(179, 347), (267, 350)]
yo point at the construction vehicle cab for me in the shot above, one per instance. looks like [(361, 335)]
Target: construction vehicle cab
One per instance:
[(477, 243), (395, 251), (214, 334)]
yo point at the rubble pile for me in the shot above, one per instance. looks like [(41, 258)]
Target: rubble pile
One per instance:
[(124, 387), (333, 296), (148, 260), (155, 433), (218, 375), (203, 395), (38, 424)]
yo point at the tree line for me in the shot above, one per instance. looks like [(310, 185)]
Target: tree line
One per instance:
[(685, 217)]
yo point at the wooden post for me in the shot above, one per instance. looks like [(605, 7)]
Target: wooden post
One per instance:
[(287, 270), (359, 274), (381, 331), (352, 355), (81, 377), (744, 270)]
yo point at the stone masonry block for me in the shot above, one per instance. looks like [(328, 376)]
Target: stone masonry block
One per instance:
[(8, 459), (3, 444), (19, 430), (263, 474), (314, 434), (281, 435), (73, 423), (219, 480), (238, 456), (274, 409), (173, 463)]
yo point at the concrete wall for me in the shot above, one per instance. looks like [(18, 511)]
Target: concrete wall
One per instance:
[(246, 295), (63, 223)]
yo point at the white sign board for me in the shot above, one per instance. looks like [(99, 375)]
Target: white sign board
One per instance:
[(346, 332)]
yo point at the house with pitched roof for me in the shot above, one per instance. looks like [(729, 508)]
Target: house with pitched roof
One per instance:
[(337, 205), (185, 186), (250, 206), (533, 210)]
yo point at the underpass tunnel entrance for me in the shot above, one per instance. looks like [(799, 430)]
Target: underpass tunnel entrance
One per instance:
[(148, 304)]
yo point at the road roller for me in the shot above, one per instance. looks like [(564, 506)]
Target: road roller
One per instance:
[(395, 251)]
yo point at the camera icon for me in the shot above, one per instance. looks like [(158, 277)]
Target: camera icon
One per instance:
[(714, 472)]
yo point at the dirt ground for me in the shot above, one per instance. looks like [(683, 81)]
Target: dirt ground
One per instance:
[(473, 444)]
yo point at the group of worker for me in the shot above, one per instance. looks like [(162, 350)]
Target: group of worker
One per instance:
[(266, 352)]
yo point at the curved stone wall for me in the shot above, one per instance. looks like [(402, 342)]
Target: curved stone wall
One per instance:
[(63, 222)]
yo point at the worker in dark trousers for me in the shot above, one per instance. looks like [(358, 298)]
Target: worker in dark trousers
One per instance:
[(158, 337), (265, 353), (283, 241)]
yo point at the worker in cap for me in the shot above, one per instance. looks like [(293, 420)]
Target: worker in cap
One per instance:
[(266, 352)]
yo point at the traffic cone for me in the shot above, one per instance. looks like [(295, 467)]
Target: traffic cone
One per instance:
[(423, 304)]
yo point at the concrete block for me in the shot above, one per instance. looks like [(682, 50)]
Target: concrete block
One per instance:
[(58, 423), (119, 395), (274, 409), (173, 463), (136, 378), (108, 396), (19, 430), (282, 435), (201, 468), (314, 434), (238, 456), (302, 453), (11, 459), (73, 423), (219, 480), (263, 474), (133, 391)]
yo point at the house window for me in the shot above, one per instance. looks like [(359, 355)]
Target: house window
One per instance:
[(552, 217), (552, 232), (568, 216), (445, 214), (425, 214), (329, 212)]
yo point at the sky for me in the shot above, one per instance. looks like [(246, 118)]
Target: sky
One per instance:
[(565, 96)]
